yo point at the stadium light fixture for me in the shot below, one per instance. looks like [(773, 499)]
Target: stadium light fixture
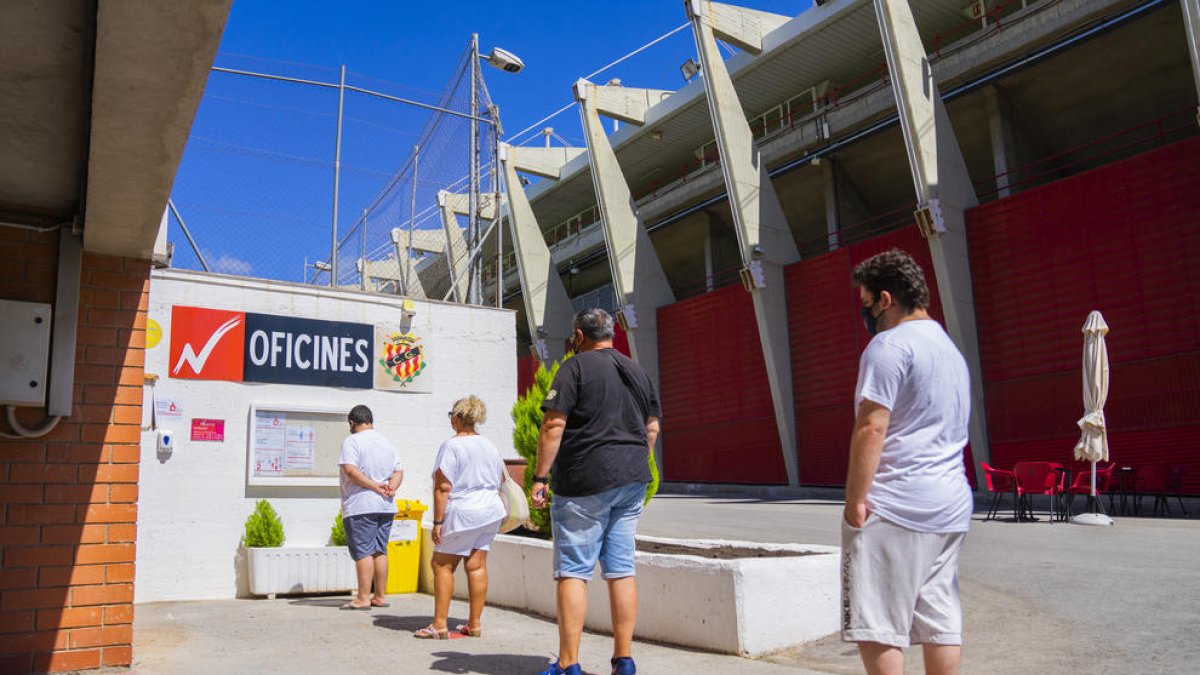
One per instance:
[(504, 60), (689, 69)]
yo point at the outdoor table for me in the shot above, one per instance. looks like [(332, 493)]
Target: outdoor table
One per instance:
[(1126, 476), (1060, 494)]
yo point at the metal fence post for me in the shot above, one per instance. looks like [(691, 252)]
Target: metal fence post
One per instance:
[(362, 254), (412, 216), (337, 170)]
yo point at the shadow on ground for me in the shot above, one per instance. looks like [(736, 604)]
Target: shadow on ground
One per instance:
[(332, 602), (487, 664)]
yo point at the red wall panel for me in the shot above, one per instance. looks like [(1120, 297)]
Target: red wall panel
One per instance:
[(1123, 239), (718, 419), (827, 336), (526, 367)]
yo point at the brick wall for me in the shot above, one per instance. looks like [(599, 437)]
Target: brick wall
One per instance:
[(68, 500)]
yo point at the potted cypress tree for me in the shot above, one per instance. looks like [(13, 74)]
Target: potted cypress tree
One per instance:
[(274, 568)]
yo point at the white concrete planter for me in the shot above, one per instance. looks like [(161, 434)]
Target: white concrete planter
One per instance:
[(746, 606), (316, 569)]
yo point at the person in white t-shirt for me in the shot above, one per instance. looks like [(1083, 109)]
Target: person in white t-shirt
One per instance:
[(370, 475), (467, 512), (908, 502)]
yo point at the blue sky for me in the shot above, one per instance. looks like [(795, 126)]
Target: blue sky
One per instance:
[(256, 181)]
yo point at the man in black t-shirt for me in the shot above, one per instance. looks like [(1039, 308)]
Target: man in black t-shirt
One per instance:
[(601, 421)]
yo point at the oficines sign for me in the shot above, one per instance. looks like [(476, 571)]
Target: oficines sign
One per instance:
[(308, 351), (209, 344)]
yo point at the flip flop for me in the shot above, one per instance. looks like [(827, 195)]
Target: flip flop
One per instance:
[(431, 633), (466, 630), (354, 608), (382, 604)]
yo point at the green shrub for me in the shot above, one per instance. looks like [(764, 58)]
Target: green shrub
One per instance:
[(264, 529), (527, 421), (337, 534), (652, 486)]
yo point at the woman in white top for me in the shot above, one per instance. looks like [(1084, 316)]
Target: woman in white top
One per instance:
[(467, 512)]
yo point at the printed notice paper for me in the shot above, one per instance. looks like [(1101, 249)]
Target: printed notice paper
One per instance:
[(301, 447), (208, 430), (270, 443), (168, 408)]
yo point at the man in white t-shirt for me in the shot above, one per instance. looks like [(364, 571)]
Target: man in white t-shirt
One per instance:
[(370, 475), (908, 502)]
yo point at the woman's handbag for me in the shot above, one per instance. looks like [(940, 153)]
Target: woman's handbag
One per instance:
[(516, 505)]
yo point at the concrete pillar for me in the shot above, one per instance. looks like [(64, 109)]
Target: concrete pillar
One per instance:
[(421, 241), (638, 278), (456, 244), (764, 239), (452, 205), (1191, 24), (944, 192), (833, 219), (547, 306), (708, 255), (1000, 129)]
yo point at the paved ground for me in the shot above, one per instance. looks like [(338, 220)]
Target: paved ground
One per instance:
[(1038, 597)]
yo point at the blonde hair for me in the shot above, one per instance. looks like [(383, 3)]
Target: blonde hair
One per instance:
[(470, 411)]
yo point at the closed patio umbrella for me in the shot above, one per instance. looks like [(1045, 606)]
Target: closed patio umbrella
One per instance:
[(1093, 440)]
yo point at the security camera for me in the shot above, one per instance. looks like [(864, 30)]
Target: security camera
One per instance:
[(505, 60)]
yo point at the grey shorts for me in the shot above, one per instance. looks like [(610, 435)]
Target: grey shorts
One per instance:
[(899, 586), (367, 534)]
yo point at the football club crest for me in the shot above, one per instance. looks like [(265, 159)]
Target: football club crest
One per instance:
[(401, 359)]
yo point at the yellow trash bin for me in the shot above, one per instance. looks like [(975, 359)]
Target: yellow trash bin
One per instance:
[(404, 547)]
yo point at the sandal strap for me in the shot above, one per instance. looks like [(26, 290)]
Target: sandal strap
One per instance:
[(431, 632)]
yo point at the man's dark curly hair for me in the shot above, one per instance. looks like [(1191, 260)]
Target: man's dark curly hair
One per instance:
[(897, 273)]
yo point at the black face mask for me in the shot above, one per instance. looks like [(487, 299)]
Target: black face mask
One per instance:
[(870, 320)]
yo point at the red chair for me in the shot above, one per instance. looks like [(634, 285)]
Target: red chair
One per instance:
[(1161, 480), (999, 483), (1083, 485), (1037, 478)]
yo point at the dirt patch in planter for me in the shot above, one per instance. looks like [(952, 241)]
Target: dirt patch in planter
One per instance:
[(723, 552)]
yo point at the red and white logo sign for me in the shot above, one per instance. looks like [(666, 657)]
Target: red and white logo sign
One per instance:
[(207, 344)]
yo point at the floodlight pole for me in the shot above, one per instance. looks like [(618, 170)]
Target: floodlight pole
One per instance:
[(473, 195), (337, 170)]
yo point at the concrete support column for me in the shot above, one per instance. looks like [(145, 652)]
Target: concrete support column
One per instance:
[(457, 253), (709, 268), (764, 239), (833, 218), (944, 192), (638, 278), (1191, 24), (1004, 156), (456, 244), (547, 306)]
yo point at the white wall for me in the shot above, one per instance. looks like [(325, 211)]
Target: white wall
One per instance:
[(192, 504)]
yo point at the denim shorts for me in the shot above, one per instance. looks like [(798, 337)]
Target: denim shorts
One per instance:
[(599, 527), (367, 534)]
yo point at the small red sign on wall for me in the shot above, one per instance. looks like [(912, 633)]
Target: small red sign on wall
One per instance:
[(208, 430)]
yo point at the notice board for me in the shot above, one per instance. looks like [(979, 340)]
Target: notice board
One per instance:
[(294, 445)]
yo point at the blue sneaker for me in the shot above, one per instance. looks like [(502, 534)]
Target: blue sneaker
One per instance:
[(556, 669), (623, 666)]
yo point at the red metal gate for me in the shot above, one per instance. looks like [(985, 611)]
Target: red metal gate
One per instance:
[(718, 419)]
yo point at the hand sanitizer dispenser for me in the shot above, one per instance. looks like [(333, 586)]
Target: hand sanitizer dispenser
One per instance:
[(166, 441)]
